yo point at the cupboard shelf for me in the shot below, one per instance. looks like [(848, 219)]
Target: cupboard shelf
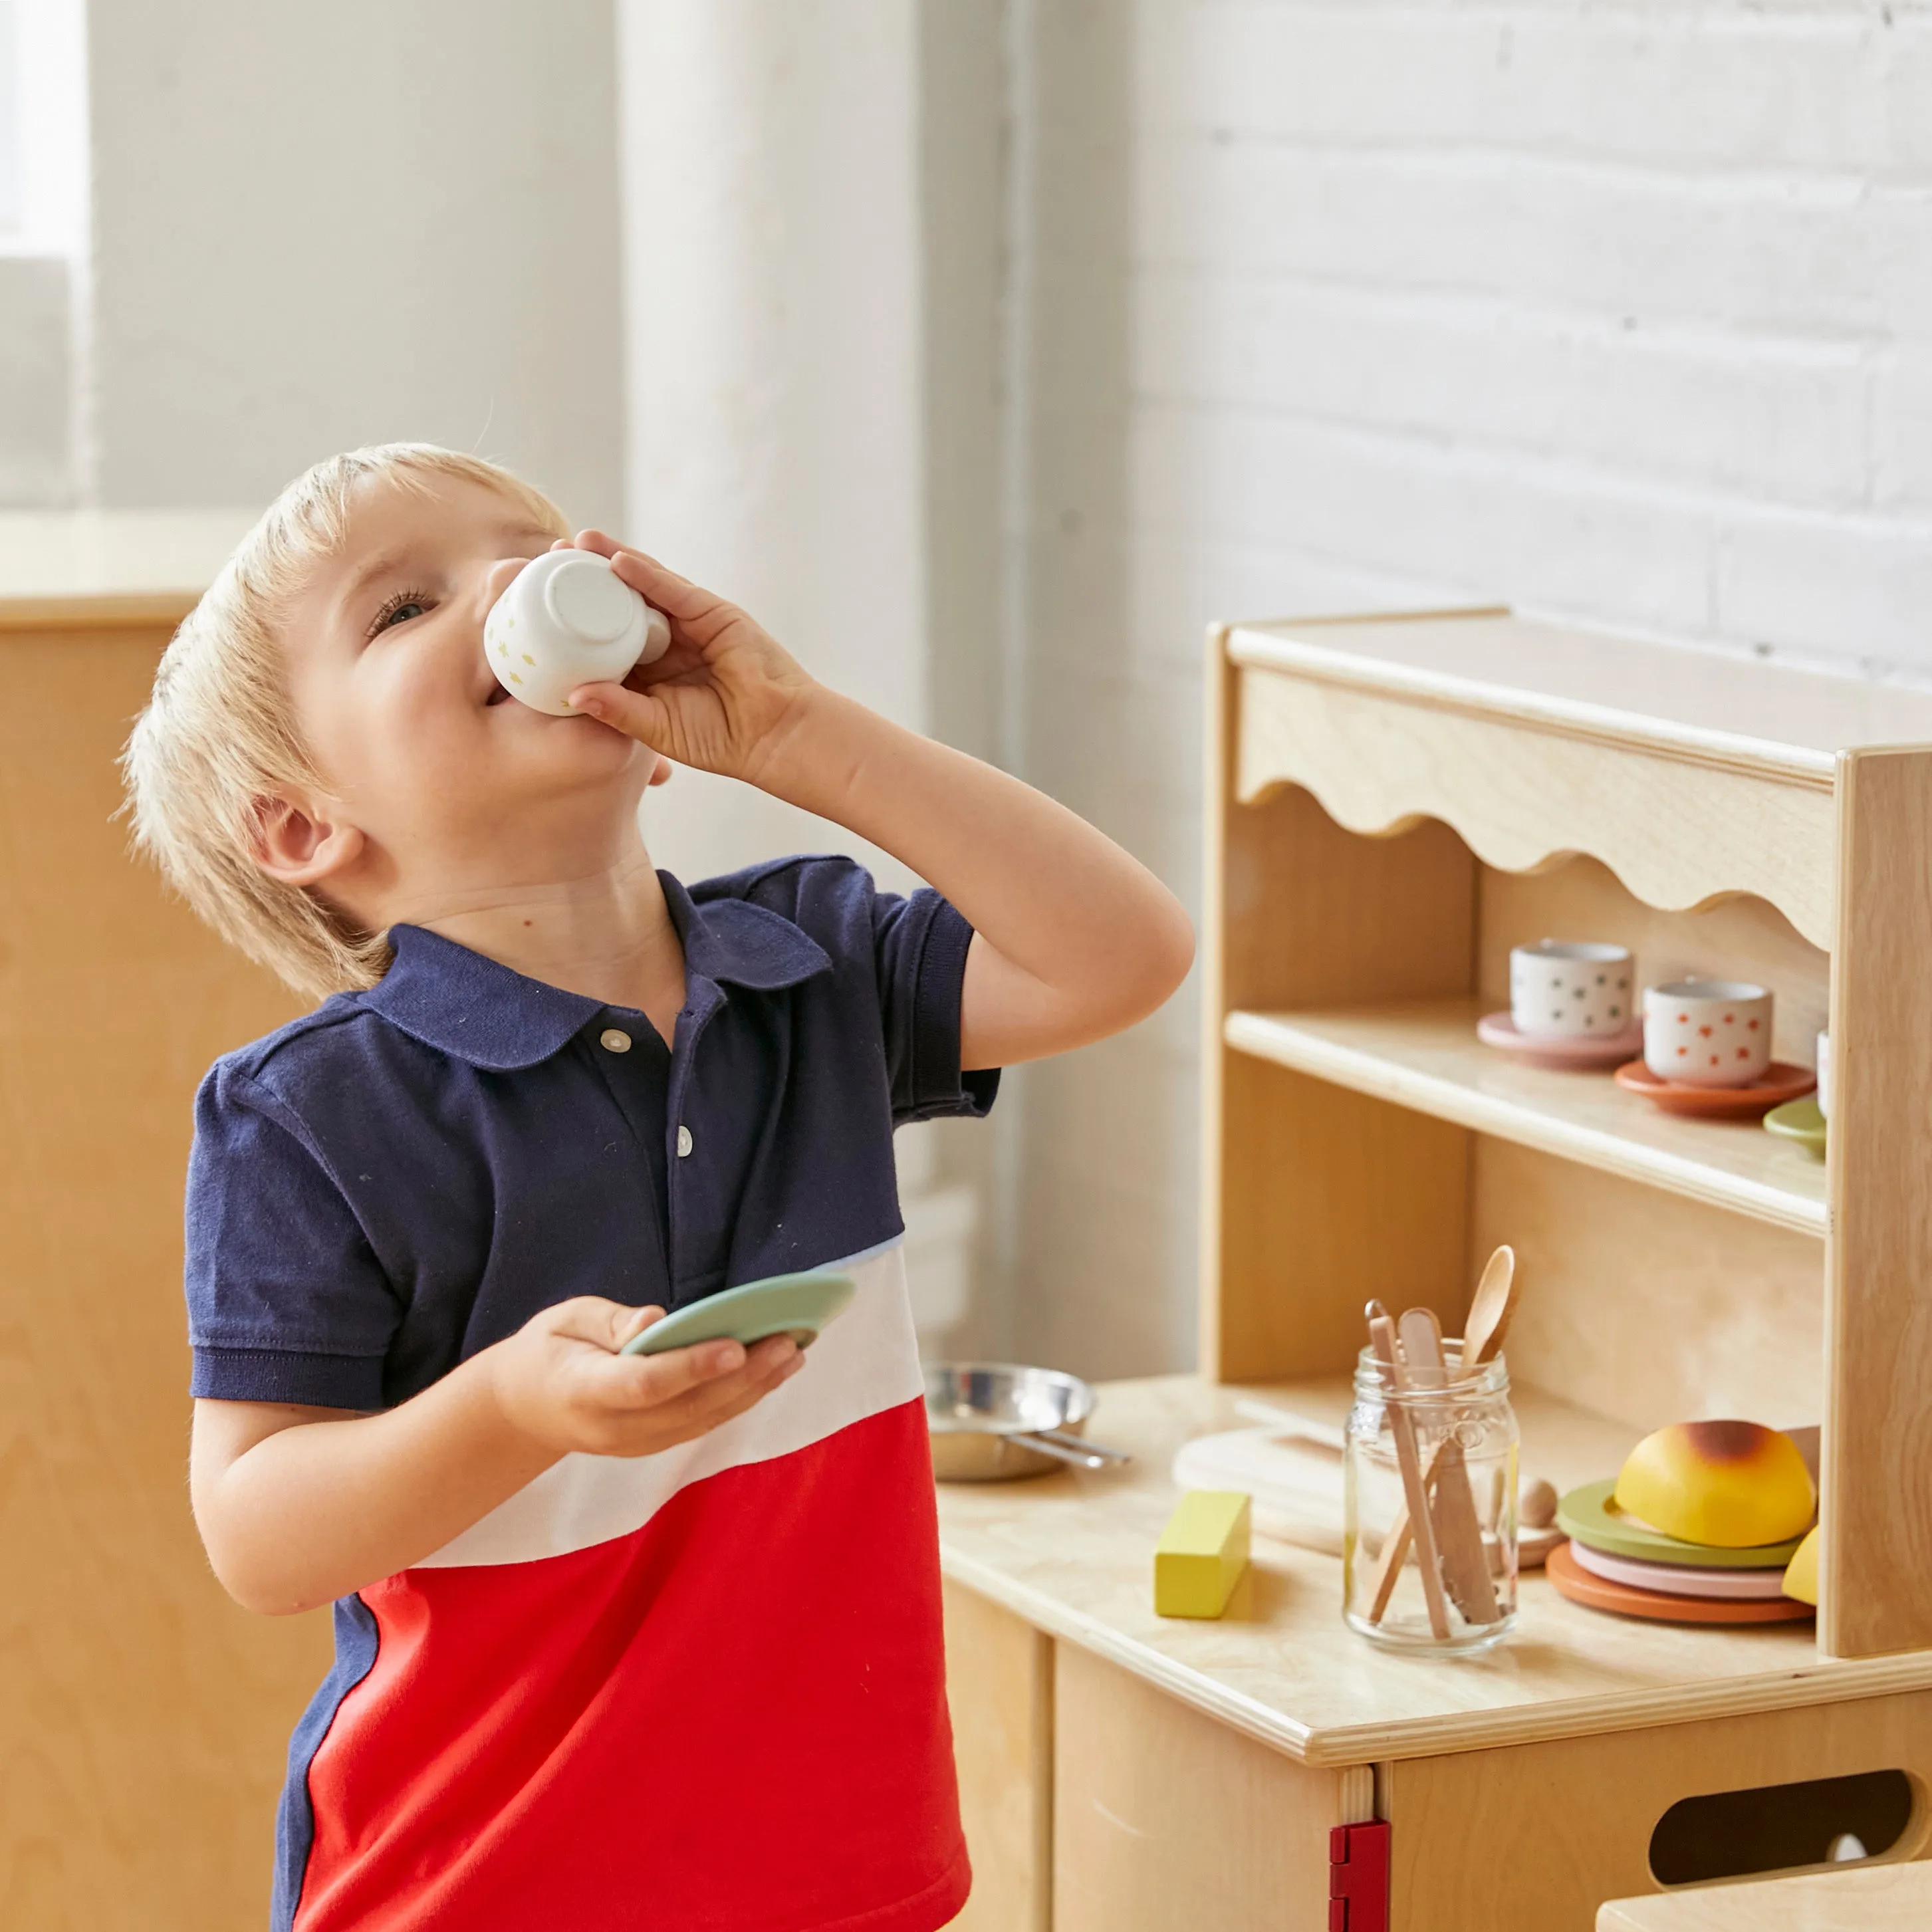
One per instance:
[(1425, 1055)]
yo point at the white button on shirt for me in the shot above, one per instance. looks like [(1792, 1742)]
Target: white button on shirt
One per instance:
[(683, 1140), (614, 1041)]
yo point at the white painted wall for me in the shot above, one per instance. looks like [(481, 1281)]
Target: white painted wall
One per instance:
[(1620, 309), (315, 226)]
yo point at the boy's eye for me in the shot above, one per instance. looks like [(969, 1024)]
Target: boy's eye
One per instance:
[(399, 609)]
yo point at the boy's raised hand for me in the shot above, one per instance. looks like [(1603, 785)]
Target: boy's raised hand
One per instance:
[(1072, 939), (560, 1381), (722, 697)]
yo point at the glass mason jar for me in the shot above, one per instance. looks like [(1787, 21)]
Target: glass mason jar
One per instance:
[(1465, 1439)]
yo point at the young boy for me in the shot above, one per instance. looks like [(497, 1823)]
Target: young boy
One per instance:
[(621, 1641)]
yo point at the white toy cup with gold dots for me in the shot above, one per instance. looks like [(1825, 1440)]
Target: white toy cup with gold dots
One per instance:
[(569, 619), (1707, 1033)]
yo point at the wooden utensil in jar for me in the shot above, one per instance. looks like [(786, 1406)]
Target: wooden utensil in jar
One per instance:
[(1381, 1338), (1489, 1311), (1452, 1505)]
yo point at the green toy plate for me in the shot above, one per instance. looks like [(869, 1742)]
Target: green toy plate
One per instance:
[(797, 1305), (1799, 1120), (1591, 1516)]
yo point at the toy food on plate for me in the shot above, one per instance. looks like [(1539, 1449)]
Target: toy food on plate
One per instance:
[(1734, 1485), (1801, 1574)]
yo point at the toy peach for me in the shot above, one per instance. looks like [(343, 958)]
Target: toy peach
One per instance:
[(1732, 1485)]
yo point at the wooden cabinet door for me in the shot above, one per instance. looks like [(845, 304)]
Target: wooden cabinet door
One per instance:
[(1164, 1818), (999, 1681)]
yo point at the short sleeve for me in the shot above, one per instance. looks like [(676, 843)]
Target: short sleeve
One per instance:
[(286, 1301), (920, 944)]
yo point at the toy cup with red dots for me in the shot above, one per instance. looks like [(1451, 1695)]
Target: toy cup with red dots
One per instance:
[(1707, 1033)]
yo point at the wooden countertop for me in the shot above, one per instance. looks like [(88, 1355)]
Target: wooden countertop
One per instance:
[(1072, 1554), (72, 567), (1874, 1898)]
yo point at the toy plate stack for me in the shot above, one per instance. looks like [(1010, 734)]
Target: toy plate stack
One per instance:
[(1709, 1522)]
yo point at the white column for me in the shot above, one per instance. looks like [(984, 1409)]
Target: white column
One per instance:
[(772, 337)]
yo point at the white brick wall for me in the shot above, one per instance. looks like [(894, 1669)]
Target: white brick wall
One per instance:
[(1622, 308)]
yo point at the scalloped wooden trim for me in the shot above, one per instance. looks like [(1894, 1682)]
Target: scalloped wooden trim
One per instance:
[(1678, 833)]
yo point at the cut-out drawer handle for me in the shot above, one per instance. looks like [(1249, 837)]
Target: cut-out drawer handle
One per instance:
[(1772, 1828)]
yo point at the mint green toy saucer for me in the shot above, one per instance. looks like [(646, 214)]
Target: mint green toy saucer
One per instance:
[(1590, 1514), (797, 1305), (1799, 1120)]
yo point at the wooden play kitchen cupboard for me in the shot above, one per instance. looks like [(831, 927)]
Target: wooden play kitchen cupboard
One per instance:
[(1393, 803)]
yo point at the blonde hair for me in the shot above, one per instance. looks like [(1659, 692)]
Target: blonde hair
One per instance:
[(218, 736)]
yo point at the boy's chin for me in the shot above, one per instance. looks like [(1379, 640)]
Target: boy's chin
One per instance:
[(578, 757)]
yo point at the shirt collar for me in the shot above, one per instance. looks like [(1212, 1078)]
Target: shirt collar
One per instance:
[(476, 1010)]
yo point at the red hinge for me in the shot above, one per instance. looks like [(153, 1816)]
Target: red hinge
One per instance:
[(1358, 1878)]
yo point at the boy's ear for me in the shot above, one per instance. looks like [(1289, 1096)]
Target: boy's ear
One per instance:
[(661, 771), (300, 844)]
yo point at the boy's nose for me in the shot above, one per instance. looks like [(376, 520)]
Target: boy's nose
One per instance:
[(497, 579)]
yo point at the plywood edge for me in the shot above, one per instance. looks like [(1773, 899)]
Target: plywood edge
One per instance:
[(1336, 619), (1274, 1037), (1569, 717), (1875, 1571), (1221, 688)]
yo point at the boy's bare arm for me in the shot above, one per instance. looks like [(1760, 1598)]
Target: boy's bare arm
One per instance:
[(1074, 940), (298, 1506)]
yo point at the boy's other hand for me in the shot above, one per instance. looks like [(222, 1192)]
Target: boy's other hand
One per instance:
[(724, 695), (560, 1381)]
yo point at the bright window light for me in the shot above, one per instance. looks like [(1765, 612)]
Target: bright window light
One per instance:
[(9, 123)]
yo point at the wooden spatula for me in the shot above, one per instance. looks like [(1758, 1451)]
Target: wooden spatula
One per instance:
[(1452, 1506)]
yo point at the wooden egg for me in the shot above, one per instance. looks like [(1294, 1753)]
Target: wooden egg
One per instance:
[(1536, 1505)]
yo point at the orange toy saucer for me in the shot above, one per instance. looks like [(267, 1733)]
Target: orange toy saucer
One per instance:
[(1782, 1081), (1600, 1593)]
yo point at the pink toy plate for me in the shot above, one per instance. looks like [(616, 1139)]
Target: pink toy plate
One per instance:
[(1598, 1593), (1577, 1052), (1680, 1580), (1782, 1081)]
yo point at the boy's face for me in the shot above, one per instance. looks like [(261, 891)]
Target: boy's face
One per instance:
[(454, 788)]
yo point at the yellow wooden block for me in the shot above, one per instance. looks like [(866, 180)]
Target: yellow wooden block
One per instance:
[(1201, 1554)]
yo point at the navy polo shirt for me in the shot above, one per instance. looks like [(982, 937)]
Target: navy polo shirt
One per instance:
[(409, 1174)]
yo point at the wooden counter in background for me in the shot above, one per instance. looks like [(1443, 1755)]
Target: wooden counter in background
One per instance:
[(1890, 1898), (1121, 1770), (144, 1717)]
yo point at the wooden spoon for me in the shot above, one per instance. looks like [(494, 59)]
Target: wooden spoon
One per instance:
[(1490, 1309)]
